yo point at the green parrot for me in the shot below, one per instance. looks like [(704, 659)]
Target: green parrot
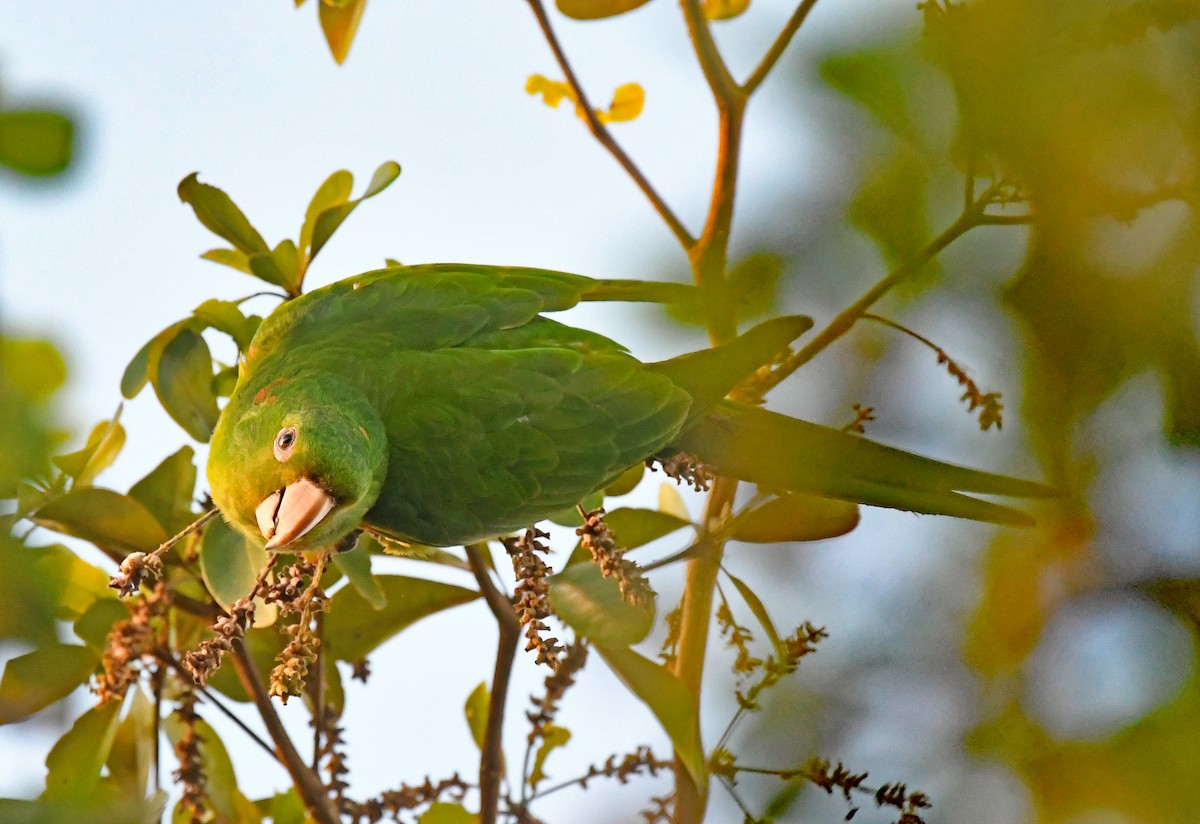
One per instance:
[(437, 405)]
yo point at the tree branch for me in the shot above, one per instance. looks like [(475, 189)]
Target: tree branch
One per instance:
[(724, 88), (307, 783), (491, 761), (778, 47), (601, 133)]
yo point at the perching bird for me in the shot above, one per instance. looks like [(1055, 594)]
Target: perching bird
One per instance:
[(435, 404)]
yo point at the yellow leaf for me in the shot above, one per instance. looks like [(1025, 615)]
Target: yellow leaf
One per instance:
[(627, 104), (671, 502), (552, 91), (339, 21), (724, 9)]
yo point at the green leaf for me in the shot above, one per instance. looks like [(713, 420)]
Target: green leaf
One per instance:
[(37, 679), (890, 208), (35, 143), (225, 381), (796, 517), (596, 9), (670, 502), (183, 381), (220, 215), (75, 761), (330, 219), (226, 316), (413, 552), (108, 519), (232, 258), (552, 738), (672, 703), (94, 624), (627, 481), (334, 191), (592, 606), (443, 812), (356, 566), (353, 628), (760, 612), (285, 808), (752, 287), (229, 562), (132, 756), (570, 515), (103, 445), (339, 22), (476, 711), (167, 490)]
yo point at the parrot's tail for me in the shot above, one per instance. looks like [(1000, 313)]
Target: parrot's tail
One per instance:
[(780, 453)]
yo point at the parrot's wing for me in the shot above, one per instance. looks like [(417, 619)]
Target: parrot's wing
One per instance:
[(483, 442)]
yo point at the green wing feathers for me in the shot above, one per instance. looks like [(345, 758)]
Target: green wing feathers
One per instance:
[(782, 453)]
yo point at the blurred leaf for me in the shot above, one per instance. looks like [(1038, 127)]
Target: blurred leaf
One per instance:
[(671, 502), (627, 481), (33, 367), (334, 191), (880, 80), (226, 316), (592, 605), (167, 490), (233, 258), (136, 373), (76, 584), (221, 783), (103, 445), (220, 215), (229, 562), (552, 738), (183, 381), (330, 219), (132, 756), (752, 286), (356, 566), (760, 612), (570, 516), (37, 679), (225, 381), (75, 762), (35, 143), (890, 208), (476, 712), (354, 628), (671, 702), (796, 517), (108, 519), (339, 21), (596, 9), (94, 624), (285, 808), (723, 9), (442, 812), (627, 103)]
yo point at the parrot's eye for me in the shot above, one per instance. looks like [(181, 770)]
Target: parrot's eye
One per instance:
[(284, 442)]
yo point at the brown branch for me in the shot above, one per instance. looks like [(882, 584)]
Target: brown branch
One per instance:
[(724, 88), (491, 761), (311, 790), (601, 133), (778, 47)]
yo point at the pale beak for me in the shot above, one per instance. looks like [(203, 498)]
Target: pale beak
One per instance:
[(288, 514)]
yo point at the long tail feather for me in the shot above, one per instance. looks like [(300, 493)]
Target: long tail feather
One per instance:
[(779, 452)]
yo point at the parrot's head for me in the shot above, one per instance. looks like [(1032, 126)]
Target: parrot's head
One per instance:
[(298, 462)]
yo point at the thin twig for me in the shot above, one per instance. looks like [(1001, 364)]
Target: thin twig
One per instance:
[(778, 47), (311, 790), (724, 88), (601, 133), (491, 760)]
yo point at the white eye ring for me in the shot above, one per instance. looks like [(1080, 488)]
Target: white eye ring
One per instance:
[(285, 442)]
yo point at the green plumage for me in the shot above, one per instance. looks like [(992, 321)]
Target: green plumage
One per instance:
[(435, 404)]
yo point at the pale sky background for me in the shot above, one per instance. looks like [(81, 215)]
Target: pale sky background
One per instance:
[(246, 94)]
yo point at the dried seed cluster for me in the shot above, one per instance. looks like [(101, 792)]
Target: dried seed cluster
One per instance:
[(739, 638), (204, 660), (128, 642), (674, 622), (296, 597), (598, 539), (194, 801), (545, 709), (794, 647), (138, 568), (862, 416), (394, 802), (532, 604), (642, 760), (686, 468)]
